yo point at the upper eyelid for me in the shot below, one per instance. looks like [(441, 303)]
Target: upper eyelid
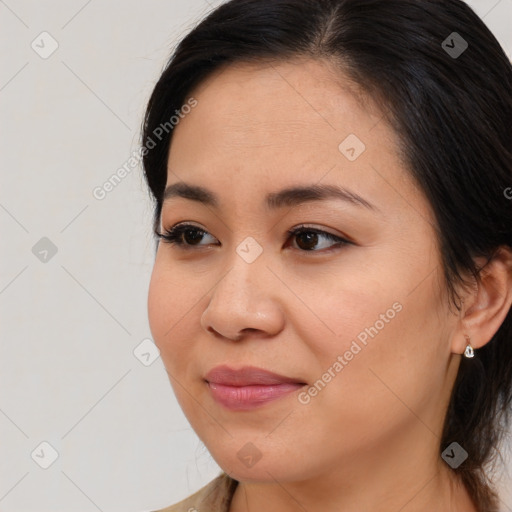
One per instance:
[(296, 228), (301, 227)]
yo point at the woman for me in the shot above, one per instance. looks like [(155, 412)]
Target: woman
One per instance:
[(332, 288)]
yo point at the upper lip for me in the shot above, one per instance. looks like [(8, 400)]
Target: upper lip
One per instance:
[(246, 376)]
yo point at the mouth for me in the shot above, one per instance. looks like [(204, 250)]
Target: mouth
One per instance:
[(248, 387)]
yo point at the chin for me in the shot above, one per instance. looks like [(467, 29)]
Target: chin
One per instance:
[(249, 463)]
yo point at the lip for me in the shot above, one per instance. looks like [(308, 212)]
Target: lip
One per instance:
[(247, 376), (248, 387)]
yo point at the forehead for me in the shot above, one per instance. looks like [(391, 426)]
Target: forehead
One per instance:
[(295, 113), (261, 127), (274, 102)]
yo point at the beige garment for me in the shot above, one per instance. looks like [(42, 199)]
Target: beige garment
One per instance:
[(215, 496)]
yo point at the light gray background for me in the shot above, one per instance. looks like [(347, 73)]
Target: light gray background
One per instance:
[(70, 324)]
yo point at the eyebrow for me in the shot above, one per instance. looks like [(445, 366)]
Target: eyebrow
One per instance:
[(287, 197)]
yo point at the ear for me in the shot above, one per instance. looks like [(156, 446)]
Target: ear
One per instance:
[(485, 308)]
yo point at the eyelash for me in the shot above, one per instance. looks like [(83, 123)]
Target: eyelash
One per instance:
[(173, 237)]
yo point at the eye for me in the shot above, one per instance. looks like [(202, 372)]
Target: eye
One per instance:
[(310, 237), (186, 236)]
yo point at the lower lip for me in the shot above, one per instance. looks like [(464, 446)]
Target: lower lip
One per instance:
[(249, 397)]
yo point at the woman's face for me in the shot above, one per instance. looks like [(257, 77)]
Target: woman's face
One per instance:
[(362, 327)]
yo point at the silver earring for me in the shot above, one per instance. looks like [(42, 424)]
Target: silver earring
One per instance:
[(469, 352)]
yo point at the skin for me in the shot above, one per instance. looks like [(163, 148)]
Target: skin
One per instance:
[(370, 439)]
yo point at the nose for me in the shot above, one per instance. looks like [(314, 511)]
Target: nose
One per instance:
[(244, 301)]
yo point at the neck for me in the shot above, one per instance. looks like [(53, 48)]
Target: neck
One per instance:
[(439, 492), (389, 480)]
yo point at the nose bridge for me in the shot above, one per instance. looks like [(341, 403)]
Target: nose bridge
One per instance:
[(243, 298), (243, 285)]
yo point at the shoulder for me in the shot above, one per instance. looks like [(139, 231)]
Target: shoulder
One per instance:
[(215, 496)]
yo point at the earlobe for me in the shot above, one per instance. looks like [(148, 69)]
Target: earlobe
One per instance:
[(468, 351), (489, 303)]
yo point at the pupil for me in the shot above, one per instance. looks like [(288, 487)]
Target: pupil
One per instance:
[(196, 236), (311, 239)]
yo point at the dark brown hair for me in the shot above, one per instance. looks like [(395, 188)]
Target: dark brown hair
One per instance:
[(452, 112)]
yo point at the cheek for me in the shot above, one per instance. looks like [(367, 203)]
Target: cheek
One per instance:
[(165, 309), (334, 306), (159, 305), (399, 368), (176, 300), (169, 300), (374, 322)]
